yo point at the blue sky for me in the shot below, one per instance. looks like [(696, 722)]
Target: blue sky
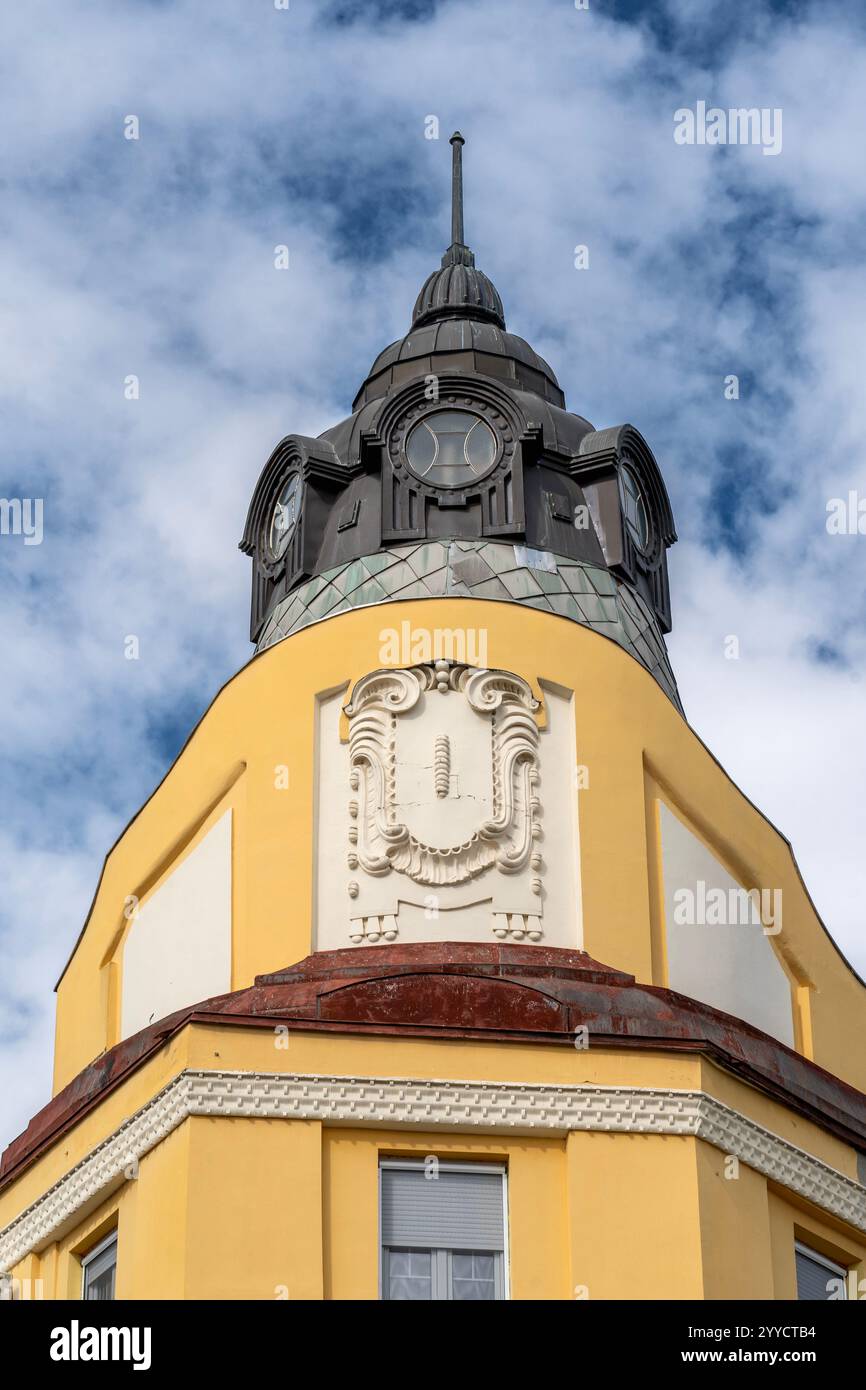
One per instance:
[(305, 126)]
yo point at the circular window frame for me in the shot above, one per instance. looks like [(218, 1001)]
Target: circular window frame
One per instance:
[(272, 560), (452, 402), (644, 548)]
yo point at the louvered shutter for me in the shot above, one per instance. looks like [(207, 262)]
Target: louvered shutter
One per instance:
[(813, 1278), (458, 1210)]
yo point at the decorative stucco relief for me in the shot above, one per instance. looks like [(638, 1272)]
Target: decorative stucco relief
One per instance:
[(443, 809), (377, 741)]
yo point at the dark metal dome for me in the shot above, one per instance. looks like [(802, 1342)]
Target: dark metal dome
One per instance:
[(458, 290), (463, 343), (458, 324), (544, 519)]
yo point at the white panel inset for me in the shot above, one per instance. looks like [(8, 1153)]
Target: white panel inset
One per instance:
[(179, 947), (449, 814), (717, 948)]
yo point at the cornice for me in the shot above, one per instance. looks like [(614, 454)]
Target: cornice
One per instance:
[(452, 1106), (493, 993)]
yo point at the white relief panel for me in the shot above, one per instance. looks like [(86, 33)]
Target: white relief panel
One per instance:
[(433, 815)]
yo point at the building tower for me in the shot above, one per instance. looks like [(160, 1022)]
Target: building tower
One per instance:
[(446, 962)]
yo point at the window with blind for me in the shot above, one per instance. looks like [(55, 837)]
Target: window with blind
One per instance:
[(818, 1279), (442, 1230), (98, 1269)]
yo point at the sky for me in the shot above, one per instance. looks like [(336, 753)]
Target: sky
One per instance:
[(306, 126)]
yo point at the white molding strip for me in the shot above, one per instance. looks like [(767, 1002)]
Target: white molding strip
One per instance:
[(492, 1107)]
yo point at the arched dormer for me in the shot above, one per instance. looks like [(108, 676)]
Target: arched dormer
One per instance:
[(287, 517), (631, 510)]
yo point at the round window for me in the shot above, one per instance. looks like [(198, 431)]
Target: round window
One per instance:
[(636, 514), (450, 448), (284, 516)]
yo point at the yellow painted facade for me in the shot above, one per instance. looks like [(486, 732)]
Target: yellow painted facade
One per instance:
[(636, 748), (226, 1208), (240, 1207)]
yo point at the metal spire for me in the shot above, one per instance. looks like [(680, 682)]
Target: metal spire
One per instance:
[(457, 289), (457, 142)]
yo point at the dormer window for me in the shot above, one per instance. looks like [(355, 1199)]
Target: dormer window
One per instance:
[(631, 511), (461, 455), (284, 517), (635, 509)]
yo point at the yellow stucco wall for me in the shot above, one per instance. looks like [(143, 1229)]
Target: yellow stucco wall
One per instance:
[(634, 1217), (263, 1208), (254, 1209), (272, 1208), (635, 745)]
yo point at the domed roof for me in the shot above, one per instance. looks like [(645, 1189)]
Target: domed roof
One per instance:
[(472, 344), (458, 290), (459, 313)]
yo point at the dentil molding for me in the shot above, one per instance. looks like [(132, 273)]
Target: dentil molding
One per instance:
[(493, 1107)]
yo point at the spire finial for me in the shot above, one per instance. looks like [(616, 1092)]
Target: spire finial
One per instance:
[(457, 142), (457, 289)]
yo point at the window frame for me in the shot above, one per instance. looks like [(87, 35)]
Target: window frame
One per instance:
[(809, 1253), (274, 555), (479, 411), (474, 475), (635, 494), (93, 1254), (503, 1280)]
